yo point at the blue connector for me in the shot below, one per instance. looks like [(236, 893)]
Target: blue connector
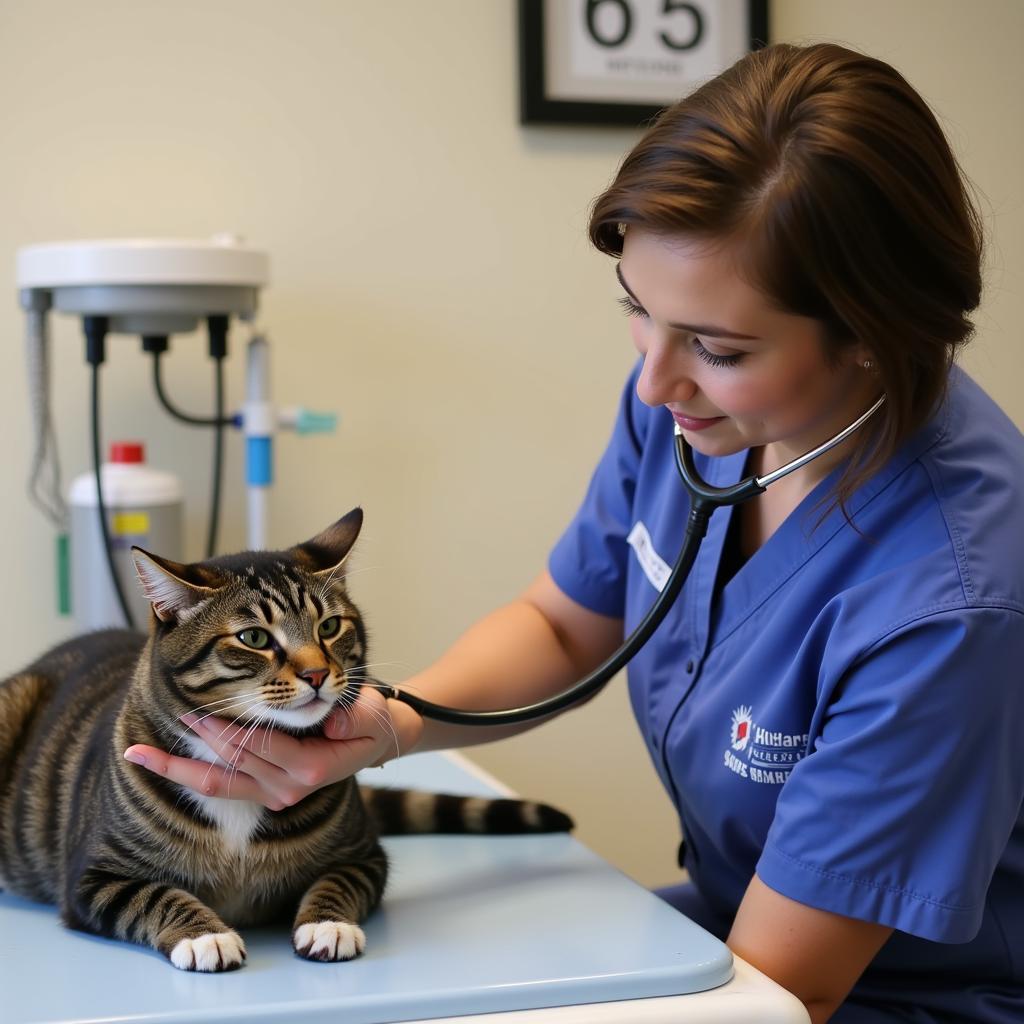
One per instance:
[(259, 461)]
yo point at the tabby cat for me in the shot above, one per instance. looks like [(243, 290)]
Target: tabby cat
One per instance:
[(266, 638)]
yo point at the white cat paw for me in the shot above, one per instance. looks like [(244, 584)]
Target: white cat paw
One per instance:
[(329, 940), (215, 951)]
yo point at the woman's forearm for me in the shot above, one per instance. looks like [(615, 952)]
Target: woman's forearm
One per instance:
[(521, 653)]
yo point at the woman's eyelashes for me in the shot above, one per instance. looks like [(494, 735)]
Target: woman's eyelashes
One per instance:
[(630, 308), (712, 358)]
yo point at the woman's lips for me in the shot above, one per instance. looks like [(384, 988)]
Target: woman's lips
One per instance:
[(694, 423)]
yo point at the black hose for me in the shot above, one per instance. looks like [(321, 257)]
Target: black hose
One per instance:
[(220, 420), (218, 456), (100, 505), (218, 327)]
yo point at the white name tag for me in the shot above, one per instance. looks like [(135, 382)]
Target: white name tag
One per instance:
[(653, 565)]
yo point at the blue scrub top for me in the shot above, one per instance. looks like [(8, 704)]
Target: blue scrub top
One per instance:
[(846, 716)]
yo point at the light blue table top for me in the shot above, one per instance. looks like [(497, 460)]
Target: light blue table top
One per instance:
[(469, 924)]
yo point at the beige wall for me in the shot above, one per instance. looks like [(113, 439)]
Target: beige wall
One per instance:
[(431, 283)]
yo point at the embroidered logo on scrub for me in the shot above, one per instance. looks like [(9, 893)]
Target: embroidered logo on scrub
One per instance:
[(759, 754)]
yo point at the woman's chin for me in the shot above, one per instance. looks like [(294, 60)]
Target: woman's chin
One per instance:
[(715, 447)]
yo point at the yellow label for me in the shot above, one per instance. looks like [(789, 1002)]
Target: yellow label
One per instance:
[(130, 524)]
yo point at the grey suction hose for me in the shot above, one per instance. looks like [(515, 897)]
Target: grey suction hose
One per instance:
[(44, 484), (704, 500)]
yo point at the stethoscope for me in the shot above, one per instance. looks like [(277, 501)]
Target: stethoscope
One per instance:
[(704, 499)]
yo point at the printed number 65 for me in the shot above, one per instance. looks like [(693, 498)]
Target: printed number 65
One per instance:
[(692, 11)]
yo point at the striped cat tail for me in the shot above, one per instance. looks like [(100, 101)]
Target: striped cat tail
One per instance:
[(411, 811)]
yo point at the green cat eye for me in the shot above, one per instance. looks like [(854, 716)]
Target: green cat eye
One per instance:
[(257, 639), (329, 627)]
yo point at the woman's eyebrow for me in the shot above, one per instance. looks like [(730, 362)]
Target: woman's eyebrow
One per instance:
[(713, 332)]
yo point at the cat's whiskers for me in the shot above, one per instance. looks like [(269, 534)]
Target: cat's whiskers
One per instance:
[(233, 766), (264, 746), (232, 703), (370, 684), (385, 720), (222, 732), (241, 728), (223, 700), (345, 700), (379, 664)]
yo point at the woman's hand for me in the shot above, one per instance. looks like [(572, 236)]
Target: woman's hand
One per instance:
[(278, 770)]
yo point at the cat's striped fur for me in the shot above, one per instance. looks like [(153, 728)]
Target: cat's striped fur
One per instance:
[(127, 853)]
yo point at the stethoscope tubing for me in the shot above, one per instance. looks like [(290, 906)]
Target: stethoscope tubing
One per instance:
[(696, 527), (704, 499)]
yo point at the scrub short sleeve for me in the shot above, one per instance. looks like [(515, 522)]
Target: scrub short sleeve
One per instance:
[(589, 560), (902, 809)]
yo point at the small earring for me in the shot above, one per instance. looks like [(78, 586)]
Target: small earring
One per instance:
[(867, 364)]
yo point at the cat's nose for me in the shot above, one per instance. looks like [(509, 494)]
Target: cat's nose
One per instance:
[(314, 676)]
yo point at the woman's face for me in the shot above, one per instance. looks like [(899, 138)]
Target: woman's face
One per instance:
[(734, 371)]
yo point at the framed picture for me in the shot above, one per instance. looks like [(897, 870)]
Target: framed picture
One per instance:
[(619, 62)]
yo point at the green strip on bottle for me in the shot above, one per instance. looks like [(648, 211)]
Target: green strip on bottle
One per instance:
[(63, 574)]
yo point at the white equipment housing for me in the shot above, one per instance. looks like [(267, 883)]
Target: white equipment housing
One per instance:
[(148, 287), (144, 285)]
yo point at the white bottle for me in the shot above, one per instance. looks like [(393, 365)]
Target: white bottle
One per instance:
[(145, 509)]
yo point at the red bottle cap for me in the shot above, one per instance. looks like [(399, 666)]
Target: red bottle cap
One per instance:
[(127, 451)]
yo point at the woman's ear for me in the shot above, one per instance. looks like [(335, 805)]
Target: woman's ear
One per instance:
[(860, 355)]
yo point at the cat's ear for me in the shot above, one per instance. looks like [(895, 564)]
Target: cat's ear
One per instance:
[(329, 549), (171, 587)]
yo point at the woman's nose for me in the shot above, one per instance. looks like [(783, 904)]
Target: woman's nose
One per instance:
[(664, 377)]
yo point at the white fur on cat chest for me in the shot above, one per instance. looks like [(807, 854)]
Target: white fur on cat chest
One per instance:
[(236, 820)]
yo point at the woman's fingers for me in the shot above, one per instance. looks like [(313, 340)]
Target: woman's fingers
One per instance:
[(362, 734), (279, 760), (288, 769), (367, 716), (272, 787), (282, 762), (273, 748), (271, 767), (200, 776)]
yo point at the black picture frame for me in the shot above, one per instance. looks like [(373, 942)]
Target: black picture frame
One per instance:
[(538, 107)]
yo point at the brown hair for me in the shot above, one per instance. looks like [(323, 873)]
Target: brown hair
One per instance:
[(832, 180)]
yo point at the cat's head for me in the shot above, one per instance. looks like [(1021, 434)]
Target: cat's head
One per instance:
[(268, 636)]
